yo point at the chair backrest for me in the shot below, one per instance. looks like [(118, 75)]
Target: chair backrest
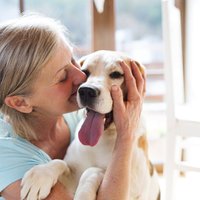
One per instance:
[(175, 90)]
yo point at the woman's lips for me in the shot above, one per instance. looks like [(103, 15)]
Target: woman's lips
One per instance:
[(73, 96), (74, 93)]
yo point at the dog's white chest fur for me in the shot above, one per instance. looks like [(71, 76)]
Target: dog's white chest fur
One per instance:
[(100, 155)]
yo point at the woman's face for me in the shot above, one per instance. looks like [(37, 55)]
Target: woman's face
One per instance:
[(56, 87)]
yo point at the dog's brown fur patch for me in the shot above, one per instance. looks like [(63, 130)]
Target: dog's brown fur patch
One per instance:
[(159, 196), (143, 144), (151, 169)]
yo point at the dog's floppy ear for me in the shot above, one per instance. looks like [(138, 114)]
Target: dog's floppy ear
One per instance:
[(142, 70), (141, 67), (82, 60)]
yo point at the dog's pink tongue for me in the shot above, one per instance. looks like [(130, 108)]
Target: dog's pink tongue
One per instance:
[(92, 128)]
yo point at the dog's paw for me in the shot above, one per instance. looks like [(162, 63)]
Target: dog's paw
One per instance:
[(89, 184), (38, 181)]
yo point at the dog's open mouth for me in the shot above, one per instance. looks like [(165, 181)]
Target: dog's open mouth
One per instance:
[(93, 127)]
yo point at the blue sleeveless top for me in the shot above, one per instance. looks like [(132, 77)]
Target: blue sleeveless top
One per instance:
[(18, 155)]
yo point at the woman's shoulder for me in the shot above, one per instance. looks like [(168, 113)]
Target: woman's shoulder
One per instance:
[(17, 155), (14, 147)]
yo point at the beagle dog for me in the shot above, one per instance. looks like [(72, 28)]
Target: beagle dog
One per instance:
[(88, 155)]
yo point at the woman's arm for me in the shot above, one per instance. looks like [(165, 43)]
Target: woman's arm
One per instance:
[(12, 192), (116, 182)]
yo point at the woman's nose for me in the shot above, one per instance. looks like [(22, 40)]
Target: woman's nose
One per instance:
[(79, 76)]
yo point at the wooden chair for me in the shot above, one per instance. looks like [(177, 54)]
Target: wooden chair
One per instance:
[(183, 121)]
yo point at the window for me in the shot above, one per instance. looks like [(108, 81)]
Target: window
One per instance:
[(74, 14), (139, 34), (9, 9)]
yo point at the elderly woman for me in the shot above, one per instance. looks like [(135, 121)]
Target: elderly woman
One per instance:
[(38, 84)]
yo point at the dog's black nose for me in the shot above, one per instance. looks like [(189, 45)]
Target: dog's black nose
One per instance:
[(88, 94)]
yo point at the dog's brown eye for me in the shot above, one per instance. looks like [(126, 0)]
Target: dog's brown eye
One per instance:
[(86, 72), (115, 75)]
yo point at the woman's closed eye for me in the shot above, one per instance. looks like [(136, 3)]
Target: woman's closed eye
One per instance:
[(63, 77)]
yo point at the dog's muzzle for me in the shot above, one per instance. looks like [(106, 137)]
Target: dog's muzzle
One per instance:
[(95, 123), (88, 95)]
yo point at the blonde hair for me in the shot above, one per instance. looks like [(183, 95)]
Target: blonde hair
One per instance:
[(26, 45)]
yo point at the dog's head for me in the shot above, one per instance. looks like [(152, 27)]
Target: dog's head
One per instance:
[(103, 70)]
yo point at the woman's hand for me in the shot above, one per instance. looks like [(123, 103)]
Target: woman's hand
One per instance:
[(117, 180), (127, 113)]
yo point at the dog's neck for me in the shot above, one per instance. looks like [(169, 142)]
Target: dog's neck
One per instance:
[(111, 129)]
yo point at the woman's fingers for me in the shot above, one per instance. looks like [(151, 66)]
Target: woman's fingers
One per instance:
[(127, 113), (139, 77), (134, 80), (130, 82), (135, 84), (117, 96)]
